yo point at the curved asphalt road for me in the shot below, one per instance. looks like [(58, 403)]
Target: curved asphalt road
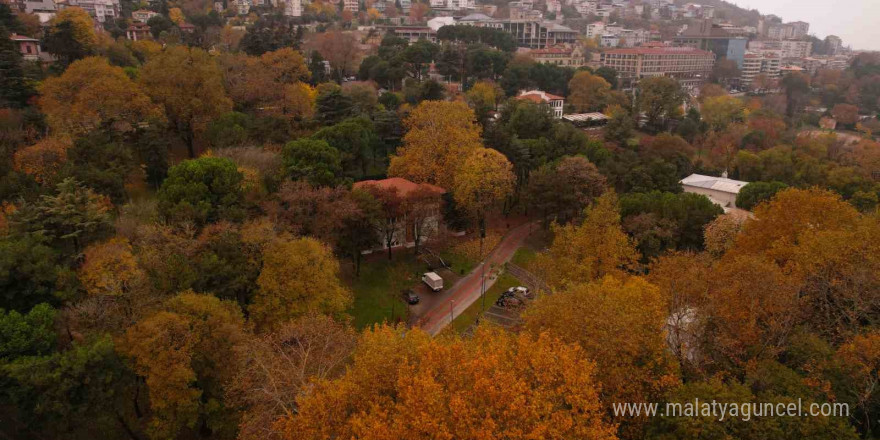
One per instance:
[(467, 290)]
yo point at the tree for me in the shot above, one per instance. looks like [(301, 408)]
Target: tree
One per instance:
[(588, 92), (462, 391), (418, 55), (313, 160), (71, 35), (621, 325), (43, 160), (71, 218), (202, 190), (27, 334), (31, 272), (688, 213), (439, 137), (91, 94), (186, 353), (269, 84), (355, 140), (589, 251), (484, 180), (188, 83), (720, 234), (608, 74), (110, 268), (391, 214), (660, 98), (720, 111), (333, 107), (484, 97), (15, 89), (561, 191), (103, 162), (797, 87), (299, 276), (757, 192), (846, 114), (340, 49), (301, 352), (421, 208), (620, 125)]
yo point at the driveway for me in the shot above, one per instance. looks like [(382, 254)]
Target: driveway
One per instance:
[(467, 290)]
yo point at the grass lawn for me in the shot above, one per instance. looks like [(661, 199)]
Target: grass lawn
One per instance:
[(523, 256), (463, 321), (459, 263), (375, 294)]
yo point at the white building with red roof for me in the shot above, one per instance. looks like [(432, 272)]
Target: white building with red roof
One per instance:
[(555, 102), (418, 215)]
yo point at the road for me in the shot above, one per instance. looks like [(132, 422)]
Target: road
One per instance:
[(467, 290)]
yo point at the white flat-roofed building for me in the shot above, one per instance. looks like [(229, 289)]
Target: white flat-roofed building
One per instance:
[(720, 190)]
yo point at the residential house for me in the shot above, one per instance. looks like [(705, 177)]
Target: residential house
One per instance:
[(138, 31), (428, 224), (27, 46), (143, 15), (555, 102)]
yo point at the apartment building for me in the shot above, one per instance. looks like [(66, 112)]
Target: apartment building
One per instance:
[(833, 44), (100, 10), (351, 5), (760, 62), (688, 65), (453, 5), (796, 48), (533, 34), (794, 30)]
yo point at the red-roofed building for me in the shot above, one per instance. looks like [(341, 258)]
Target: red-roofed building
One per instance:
[(689, 66), (555, 102), (417, 206), (138, 31), (29, 47)]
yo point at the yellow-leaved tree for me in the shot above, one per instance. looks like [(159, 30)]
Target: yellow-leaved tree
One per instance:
[(91, 94), (588, 92), (620, 325), (589, 251), (439, 137), (299, 276), (482, 182), (495, 385), (188, 83), (42, 160), (110, 268), (186, 353)]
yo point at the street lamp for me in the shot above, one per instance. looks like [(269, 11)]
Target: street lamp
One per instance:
[(451, 315)]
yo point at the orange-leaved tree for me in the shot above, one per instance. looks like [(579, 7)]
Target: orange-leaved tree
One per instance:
[(496, 385)]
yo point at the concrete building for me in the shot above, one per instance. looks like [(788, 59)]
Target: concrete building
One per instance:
[(688, 65), (560, 56), (833, 44), (707, 36), (720, 190), (760, 62), (351, 5), (595, 29), (143, 15), (453, 5), (796, 48), (100, 10), (292, 8), (555, 102), (438, 22), (794, 30), (415, 33), (533, 34)]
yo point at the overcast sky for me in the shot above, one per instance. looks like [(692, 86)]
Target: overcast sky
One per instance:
[(856, 21)]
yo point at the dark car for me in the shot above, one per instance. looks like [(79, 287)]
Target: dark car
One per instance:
[(411, 297)]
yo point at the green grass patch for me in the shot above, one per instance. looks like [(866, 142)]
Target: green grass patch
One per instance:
[(467, 318), (377, 292), (459, 263), (523, 256)]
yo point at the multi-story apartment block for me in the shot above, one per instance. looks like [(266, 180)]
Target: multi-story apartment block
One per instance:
[(453, 5), (586, 7), (534, 34), (707, 36), (794, 30), (100, 10), (351, 5), (796, 48), (595, 29), (760, 62), (688, 65), (292, 8), (833, 44)]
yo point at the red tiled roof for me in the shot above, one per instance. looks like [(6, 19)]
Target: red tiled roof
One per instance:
[(536, 97), (15, 37), (403, 186), (659, 51)]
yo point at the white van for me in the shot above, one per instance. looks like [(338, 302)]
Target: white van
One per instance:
[(433, 281)]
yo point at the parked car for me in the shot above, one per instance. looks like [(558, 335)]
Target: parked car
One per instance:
[(411, 297), (433, 281)]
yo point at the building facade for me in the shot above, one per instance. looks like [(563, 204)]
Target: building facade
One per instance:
[(688, 65), (560, 56), (760, 62), (556, 103)]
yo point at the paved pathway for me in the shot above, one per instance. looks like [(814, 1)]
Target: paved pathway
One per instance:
[(467, 290)]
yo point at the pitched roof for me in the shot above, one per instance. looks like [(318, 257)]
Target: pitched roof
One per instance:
[(16, 37), (722, 184), (403, 186), (539, 96)]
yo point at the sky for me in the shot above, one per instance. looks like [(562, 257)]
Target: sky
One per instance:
[(856, 21)]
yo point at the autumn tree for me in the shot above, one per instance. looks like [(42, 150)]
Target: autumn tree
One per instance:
[(591, 250), (188, 83), (340, 49), (621, 325), (484, 180), (660, 98), (720, 111), (422, 208), (620, 125), (271, 84), (588, 92), (310, 349), (561, 191), (186, 353), (71, 35), (42, 160), (721, 233), (407, 385), (846, 114), (484, 98), (299, 276), (110, 268), (439, 137), (202, 190), (390, 224)]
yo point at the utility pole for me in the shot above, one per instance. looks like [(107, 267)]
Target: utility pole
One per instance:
[(451, 313)]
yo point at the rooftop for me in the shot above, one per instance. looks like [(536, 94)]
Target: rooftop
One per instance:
[(659, 51), (722, 184)]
